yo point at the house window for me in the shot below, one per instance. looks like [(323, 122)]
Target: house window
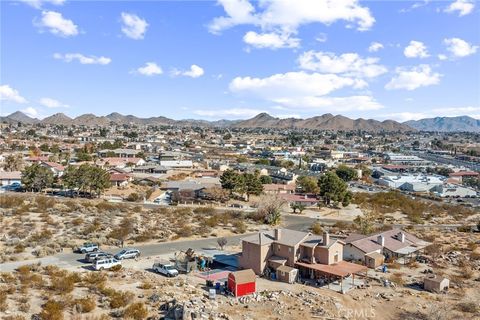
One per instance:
[(289, 249), (278, 247)]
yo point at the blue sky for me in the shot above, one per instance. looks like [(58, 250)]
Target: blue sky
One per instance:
[(233, 59)]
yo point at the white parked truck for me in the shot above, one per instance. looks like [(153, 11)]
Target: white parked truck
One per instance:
[(165, 268)]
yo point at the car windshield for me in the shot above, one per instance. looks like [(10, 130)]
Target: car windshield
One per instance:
[(169, 267), (123, 252)]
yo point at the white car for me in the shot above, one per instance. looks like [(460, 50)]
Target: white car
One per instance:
[(107, 263), (165, 268)]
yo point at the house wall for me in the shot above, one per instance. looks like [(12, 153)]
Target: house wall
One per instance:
[(327, 255), (352, 253), (254, 257), (284, 251)]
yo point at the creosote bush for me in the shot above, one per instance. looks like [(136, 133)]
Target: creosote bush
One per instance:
[(136, 311)]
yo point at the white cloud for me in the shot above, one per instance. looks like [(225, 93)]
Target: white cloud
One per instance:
[(272, 40), (459, 48), (375, 46), (52, 103), (442, 57), (473, 112), (229, 113), (57, 24), (39, 3), (83, 59), (342, 104), (322, 37), (416, 49), (293, 84), (31, 112), (413, 78), (350, 64), (404, 116), (194, 72), (7, 93), (133, 26), (303, 91), (463, 7), (288, 15), (150, 69)]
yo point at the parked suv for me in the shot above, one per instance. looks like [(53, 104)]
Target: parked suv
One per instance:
[(107, 263), (88, 247), (93, 256), (127, 254), (165, 268)]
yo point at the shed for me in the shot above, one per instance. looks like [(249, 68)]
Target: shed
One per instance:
[(374, 260), (287, 274), (241, 283), (435, 283)]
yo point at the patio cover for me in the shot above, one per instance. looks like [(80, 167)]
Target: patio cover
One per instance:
[(340, 269)]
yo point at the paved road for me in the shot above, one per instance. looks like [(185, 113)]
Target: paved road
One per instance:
[(69, 260)]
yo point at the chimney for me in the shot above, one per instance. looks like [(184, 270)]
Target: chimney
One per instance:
[(381, 240), (401, 237), (326, 239), (278, 233), (260, 238)]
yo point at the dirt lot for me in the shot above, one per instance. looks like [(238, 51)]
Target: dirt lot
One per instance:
[(37, 226)]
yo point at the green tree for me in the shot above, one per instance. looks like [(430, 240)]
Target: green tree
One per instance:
[(13, 163), (365, 224), (252, 184), (332, 188), (346, 173), (263, 161), (229, 180), (308, 184), (297, 206), (86, 178), (265, 179), (37, 177)]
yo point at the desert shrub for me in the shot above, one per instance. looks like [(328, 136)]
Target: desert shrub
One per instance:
[(3, 301), (43, 203), (64, 283), (41, 237), (204, 210), (145, 285), (468, 307), (94, 280), (133, 197), (78, 221), (23, 304), (397, 278), (11, 201), (239, 226), (85, 305), (116, 268), (52, 310), (144, 236), (185, 231), (212, 221), (118, 299), (19, 248), (317, 228), (105, 206), (136, 311)]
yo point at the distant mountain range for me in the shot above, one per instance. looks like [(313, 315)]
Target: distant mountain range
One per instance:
[(262, 120), (324, 122), (446, 124)]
